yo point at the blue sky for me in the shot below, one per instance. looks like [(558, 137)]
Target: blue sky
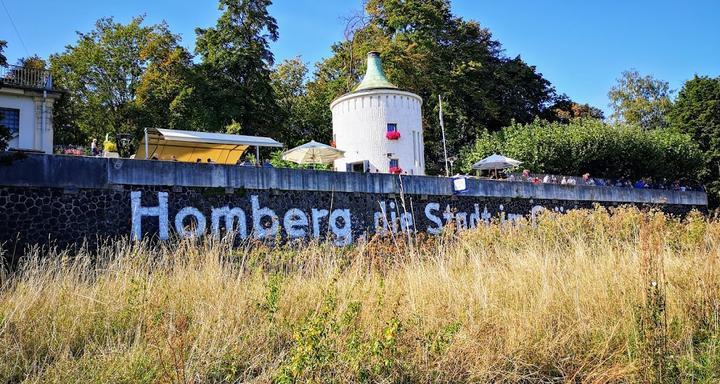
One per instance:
[(580, 46)]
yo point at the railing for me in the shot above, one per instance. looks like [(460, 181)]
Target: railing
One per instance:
[(604, 182), (18, 76)]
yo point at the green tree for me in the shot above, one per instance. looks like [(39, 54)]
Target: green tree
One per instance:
[(104, 75), (564, 110), (697, 112), (164, 90), (590, 145), (429, 51), (3, 59), (640, 100), (33, 62), (236, 66), (302, 113), (288, 82)]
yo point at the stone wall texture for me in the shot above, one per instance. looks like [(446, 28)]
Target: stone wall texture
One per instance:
[(65, 200)]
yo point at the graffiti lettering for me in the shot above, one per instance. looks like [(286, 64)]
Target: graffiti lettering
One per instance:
[(296, 223)]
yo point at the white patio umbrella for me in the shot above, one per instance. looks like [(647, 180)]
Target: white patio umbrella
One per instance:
[(496, 162), (313, 153)]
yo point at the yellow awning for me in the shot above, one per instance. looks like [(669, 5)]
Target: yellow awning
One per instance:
[(190, 146)]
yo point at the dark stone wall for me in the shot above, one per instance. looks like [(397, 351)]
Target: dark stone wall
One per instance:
[(69, 216), (66, 200)]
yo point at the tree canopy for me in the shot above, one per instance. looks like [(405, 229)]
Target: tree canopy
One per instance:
[(640, 100), (236, 66), (697, 112), (110, 75)]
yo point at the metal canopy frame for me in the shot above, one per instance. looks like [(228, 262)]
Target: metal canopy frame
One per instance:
[(191, 146)]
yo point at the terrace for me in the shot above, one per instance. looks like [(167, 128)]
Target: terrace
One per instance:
[(15, 76)]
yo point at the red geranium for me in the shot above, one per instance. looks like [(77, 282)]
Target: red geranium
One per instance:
[(73, 151), (393, 135), (396, 170)]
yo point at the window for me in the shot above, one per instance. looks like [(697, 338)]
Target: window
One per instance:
[(392, 127), (394, 163), (415, 160), (358, 167), (361, 166), (10, 118)]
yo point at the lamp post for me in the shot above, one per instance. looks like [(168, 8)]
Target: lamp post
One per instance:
[(452, 159)]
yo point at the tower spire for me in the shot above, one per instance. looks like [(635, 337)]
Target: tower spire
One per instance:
[(374, 74)]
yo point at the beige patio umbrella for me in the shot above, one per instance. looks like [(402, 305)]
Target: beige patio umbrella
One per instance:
[(495, 162), (313, 153)]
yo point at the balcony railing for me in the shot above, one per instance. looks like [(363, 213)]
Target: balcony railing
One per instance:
[(18, 76)]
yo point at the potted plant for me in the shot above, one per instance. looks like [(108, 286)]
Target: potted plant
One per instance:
[(74, 152), (396, 170), (109, 148)]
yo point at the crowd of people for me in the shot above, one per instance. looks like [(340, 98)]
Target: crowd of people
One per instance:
[(586, 179)]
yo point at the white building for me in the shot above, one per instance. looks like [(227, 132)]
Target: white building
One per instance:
[(378, 126), (26, 103)]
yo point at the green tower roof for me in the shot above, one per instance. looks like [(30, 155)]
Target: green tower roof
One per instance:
[(374, 74)]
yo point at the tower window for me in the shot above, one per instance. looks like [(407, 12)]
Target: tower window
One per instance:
[(394, 163), (415, 151), (392, 127)]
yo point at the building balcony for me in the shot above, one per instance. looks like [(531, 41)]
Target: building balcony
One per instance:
[(15, 76)]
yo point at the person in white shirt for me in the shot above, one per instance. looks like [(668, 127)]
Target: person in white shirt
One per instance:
[(546, 179), (563, 181)]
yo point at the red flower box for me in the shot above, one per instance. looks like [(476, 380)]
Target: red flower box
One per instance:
[(393, 135), (395, 170), (74, 152)]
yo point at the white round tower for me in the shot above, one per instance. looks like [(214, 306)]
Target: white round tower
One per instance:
[(378, 126)]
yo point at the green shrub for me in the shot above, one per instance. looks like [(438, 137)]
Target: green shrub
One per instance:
[(590, 145)]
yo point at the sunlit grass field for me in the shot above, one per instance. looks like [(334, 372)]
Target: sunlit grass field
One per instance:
[(587, 296)]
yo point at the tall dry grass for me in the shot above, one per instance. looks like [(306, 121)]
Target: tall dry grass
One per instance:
[(581, 297)]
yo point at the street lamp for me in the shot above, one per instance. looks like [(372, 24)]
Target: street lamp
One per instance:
[(452, 159)]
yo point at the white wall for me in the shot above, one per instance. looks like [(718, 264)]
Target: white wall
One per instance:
[(32, 134), (360, 124)]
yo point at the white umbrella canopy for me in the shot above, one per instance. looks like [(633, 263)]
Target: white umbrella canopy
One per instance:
[(496, 161), (313, 153)]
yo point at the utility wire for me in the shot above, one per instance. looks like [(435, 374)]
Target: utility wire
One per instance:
[(15, 28)]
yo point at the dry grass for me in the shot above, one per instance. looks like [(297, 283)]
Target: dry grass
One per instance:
[(582, 297)]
